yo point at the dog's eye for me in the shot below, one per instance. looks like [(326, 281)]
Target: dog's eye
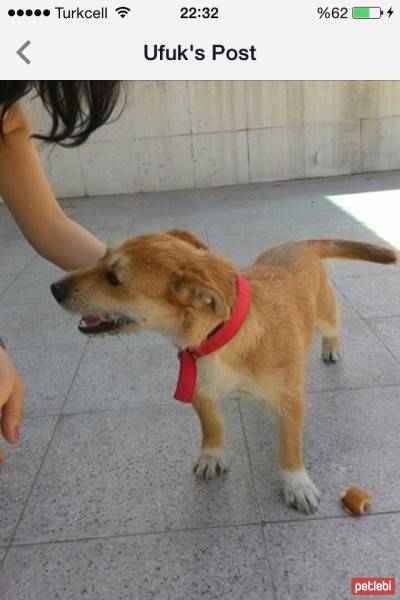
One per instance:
[(112, 278)]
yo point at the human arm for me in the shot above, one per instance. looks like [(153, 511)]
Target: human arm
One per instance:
[(27, 193)]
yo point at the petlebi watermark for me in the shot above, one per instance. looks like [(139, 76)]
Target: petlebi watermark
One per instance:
[(373, 586)]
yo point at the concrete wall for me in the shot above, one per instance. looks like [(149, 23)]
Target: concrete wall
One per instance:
[(194, 134)]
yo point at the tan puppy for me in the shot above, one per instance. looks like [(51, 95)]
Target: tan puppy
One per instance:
[(171, 283)]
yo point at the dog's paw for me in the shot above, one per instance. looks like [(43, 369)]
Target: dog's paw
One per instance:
[(299, 491), (209, 465), (331, 355)]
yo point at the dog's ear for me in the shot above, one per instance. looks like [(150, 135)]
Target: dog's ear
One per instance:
[(188, 237), (193, 288)]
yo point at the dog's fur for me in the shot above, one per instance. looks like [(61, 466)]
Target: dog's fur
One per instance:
[(172, 283)]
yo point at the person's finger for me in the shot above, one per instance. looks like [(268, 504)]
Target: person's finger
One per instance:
[(11, 413), (6, 386)]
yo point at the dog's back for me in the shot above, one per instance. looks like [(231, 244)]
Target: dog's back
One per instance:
[(293, 293)]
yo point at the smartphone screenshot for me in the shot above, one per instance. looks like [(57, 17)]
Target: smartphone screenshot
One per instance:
[(199, 300)]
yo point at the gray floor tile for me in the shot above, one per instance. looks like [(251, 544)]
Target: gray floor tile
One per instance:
[(47, 376), (243, 249), (307, 190), (246, 219), (194, 223), (5, 280), (14, 256), (149, 206), (170, 204), (104, 212), (342, 270), (347, 311), (109, 474), (32, 286), (184, 214), (19, 470), (112, 236), (25, 326), (109, 233), (345, 231), (230, 205), (316, 560), (111, 229), (285, 202), (9, 231), (365, 362), (96, 219), (42, 267), (350, 438), (388, 330), (109, 205), (298, 214), (373, 296), (223, 564), (114, 373)]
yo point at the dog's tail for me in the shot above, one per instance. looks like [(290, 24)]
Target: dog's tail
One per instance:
[(353, 250)]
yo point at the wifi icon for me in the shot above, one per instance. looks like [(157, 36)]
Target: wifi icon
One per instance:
[(123, 11)]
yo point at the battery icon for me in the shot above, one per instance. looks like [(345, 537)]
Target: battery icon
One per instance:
[(367, 12)]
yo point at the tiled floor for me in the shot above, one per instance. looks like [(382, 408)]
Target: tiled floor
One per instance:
[(99, 502)]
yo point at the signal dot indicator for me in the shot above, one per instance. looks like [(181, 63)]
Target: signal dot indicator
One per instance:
[(29, 12)]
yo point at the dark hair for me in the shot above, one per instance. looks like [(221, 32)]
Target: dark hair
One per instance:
[(77, 108)]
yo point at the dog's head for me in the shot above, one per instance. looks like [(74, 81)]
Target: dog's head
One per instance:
[(167, 281)]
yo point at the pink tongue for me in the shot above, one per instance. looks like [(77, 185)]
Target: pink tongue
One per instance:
[(91, 322)]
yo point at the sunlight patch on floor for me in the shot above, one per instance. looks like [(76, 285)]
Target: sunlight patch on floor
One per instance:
[(379, 211)]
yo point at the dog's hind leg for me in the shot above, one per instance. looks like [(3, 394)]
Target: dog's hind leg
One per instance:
[(211, 460), (328, 322)]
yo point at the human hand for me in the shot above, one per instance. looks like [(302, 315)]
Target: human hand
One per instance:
[(11, 399)]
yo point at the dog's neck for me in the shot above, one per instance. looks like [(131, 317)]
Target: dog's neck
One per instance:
[(216, 340), (195, 331), (190, 332)]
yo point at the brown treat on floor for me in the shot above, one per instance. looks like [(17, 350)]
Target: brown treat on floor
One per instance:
[(356, 500)]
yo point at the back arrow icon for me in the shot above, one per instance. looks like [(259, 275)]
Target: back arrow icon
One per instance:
[(21, 50)]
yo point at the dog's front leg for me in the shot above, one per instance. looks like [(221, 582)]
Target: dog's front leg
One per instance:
[(211, 460), (299, 490)]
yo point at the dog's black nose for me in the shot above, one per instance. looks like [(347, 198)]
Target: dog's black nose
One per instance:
[(59, 290)]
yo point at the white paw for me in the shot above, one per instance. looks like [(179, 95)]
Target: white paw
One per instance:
[(210, 464), (331, 356), (299, 491)]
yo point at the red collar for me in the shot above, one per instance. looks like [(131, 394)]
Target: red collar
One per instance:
[(188, 358)]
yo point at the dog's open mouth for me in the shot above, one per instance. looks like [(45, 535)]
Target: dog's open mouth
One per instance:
[(95, 324)]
